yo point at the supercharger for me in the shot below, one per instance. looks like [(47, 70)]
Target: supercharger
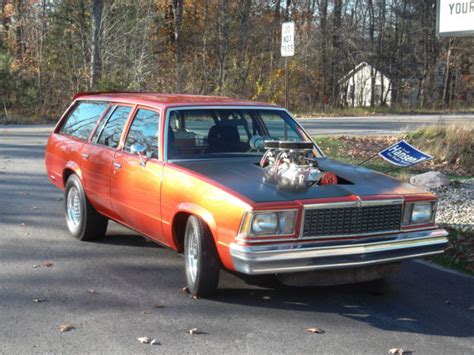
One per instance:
[(292, 165)]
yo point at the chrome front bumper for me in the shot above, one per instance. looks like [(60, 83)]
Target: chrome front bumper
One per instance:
[(294, 257)]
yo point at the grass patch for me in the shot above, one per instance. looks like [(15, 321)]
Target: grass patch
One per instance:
[(20, 120), (459, 254)]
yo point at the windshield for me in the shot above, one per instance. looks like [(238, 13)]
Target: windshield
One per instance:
[(199, 133)]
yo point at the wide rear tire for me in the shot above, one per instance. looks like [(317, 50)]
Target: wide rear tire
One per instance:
[(82, 220), (202, 261)]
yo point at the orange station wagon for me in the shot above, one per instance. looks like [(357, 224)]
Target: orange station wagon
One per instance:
[(234, 185)]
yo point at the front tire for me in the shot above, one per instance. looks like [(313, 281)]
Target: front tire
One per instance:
[(82, 220), (202, 262)]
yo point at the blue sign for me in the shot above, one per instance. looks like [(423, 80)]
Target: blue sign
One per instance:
[(403, 154)]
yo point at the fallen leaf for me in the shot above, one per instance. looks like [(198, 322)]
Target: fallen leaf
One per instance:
[(66, 327), (155, 342), (144, 340), (93, 292), (194, 297), (36, 266), (48, 264), (158, 306), (400, 351), (185, 289), (39, 300), (146, 312), (194, 331), (315, 330)]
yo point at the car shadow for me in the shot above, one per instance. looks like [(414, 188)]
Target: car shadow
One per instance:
[(400, 303)]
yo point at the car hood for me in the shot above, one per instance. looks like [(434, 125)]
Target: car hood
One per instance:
[(245, 177)]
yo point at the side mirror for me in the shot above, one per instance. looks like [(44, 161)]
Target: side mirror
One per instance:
[(140, 151)]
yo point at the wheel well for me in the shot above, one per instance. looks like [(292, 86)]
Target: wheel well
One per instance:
[(66, 173), (179, 228)]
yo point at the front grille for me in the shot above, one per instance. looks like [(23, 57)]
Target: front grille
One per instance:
[(351, 220)]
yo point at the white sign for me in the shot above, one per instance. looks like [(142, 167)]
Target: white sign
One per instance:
[(288, 39), (455, 18)]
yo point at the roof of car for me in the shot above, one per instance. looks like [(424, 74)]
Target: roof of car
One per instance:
[(167, 100)]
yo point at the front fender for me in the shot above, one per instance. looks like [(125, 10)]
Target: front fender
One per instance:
[(199, 211)]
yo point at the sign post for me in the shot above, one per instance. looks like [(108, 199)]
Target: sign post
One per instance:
[(287, 49)]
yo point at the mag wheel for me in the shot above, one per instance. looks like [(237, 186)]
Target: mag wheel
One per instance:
[(82, 220), (202, 262)]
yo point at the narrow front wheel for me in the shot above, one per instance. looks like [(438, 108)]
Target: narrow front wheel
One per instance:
[(202, 262)]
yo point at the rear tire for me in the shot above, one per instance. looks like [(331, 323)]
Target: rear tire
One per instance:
[(202, 262), (82, 219)]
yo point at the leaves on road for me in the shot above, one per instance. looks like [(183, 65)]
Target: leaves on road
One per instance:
[(315, 330), (144, 340), (400, 351), (195, 331), (47, 264), (155, 342), (66, 327), (39, 300), (93, 292), (185, 289)]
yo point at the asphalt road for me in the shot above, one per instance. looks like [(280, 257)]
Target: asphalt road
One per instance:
[(421, 308), (378, 125)]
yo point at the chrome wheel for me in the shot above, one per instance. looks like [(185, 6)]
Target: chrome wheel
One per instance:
[(73, 207), (192, 255)]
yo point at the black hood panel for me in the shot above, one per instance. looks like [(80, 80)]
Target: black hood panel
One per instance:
[(245, 177)]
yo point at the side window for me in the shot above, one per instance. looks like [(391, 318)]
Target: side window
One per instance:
[(110, 135), (144, 131), (102, 123), (81, 121)]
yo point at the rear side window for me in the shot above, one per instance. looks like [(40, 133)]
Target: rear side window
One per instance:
[(110, 135), (81, 121), (144, 131)]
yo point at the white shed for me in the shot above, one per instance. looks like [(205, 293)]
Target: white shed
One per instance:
[(365, 86)]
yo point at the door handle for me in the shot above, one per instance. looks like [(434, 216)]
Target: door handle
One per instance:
[(117, 165), (85, 156)]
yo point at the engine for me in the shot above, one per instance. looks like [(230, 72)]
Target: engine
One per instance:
[(292, 165)]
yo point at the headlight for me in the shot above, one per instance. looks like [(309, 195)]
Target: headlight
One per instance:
[(265, 223), (269, 223), (419, 213)]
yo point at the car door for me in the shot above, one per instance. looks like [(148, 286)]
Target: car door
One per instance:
[(98, 157), (136, 179)]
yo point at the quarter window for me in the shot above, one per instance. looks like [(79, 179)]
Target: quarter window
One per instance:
[(110, 135), (82, 120), (144, 131)]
